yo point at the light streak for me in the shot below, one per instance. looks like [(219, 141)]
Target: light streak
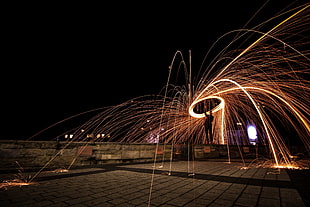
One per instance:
[(214, 110)]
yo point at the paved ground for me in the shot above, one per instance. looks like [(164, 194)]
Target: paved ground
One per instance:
[(213, 184)]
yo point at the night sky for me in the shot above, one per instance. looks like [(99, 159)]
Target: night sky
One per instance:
[(60, 60)]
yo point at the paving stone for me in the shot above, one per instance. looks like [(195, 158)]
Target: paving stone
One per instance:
[(270, 192), (245, 203), (290, 197), (263, 202), (222, 203)]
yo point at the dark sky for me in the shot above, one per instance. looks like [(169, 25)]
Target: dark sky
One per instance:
[(60, 60)]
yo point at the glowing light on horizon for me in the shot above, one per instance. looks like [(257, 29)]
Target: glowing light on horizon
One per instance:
[(252, 133)]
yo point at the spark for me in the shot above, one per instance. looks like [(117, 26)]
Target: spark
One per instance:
[(286, 166), (14, 182)]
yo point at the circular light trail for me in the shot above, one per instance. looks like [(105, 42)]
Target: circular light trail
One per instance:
[(202, 115)]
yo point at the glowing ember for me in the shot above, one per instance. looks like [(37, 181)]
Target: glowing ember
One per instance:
[(60, 170), (286, 166), (15, 182)]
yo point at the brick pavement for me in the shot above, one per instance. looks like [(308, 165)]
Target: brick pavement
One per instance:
[(209, 184)]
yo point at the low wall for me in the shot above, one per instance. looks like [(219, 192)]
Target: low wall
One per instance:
[(32, 154), (233, 151)]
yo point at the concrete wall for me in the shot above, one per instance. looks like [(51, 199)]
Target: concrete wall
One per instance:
[(233, 151), (32, 154)]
